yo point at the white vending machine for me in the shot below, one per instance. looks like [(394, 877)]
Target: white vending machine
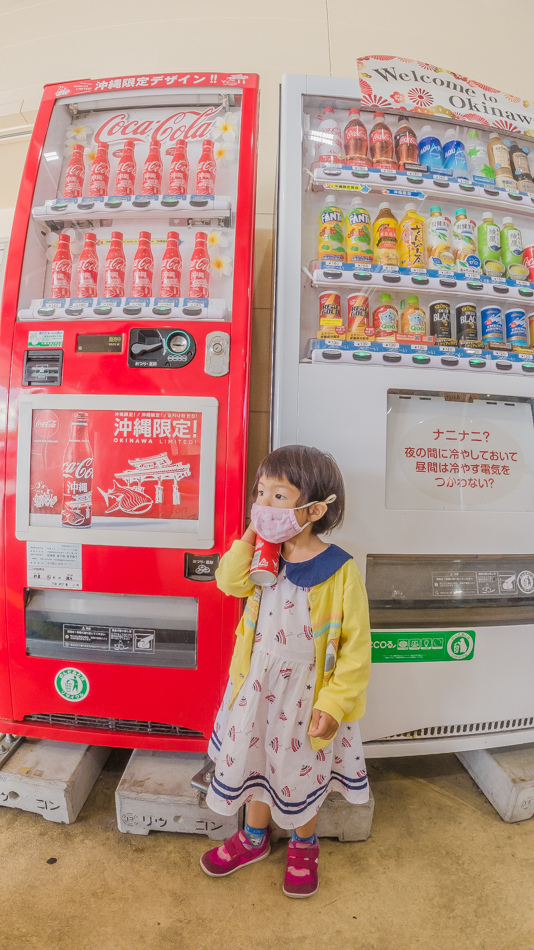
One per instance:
[(403, 346)]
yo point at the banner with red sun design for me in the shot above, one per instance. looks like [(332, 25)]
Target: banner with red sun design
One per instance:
[(406, 85)]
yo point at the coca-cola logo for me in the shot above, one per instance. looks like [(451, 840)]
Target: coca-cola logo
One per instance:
[(191, 125), (201, 263), (45, 424), (63, 264), (144, 263), (81, 469)]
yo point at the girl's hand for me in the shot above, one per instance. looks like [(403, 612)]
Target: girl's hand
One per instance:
[(249, 535), (323, 726)]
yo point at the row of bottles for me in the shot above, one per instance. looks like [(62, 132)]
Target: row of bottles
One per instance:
[(152, 173), (502, 160), (461, 323), (142, 269), (416, 242)]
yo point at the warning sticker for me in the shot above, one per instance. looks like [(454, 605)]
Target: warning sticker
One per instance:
[(422, 646)]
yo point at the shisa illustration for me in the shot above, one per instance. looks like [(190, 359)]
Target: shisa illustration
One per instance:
[(131, 498)]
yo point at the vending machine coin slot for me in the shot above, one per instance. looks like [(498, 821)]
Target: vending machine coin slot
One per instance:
[(201, 567), (42, 369), (160, 347)]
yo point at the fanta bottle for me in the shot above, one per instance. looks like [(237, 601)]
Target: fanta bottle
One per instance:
[(331, 237), (412, 238), (359, 241)]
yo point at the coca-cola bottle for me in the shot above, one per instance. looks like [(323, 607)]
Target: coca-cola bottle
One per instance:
[(405, 140), (143, 267), (381, 143), (171, 267), (179, 171), (330, 147), (61, 269), (76, 506), (125, 179), (206, 170), (75, 174), (355, 137), (99, 177), (88, 268), (199, 268), (152, 171), (115, 267)]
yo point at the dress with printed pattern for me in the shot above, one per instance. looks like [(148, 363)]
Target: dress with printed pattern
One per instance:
[(260, 746)]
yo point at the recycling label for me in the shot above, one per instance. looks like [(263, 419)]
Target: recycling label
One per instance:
[(423, 646)]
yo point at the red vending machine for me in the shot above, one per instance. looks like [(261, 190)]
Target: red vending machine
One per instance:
[(124, 366)]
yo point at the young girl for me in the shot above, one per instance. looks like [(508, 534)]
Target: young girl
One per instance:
[(286, 733)]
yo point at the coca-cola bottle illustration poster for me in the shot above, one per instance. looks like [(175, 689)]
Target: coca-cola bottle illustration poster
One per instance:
[(141, 466)]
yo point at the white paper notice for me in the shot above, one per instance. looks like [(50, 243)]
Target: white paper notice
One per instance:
[(459, 456), (56, 565)]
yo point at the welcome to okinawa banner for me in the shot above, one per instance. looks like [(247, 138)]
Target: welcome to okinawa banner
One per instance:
[(392, 82)]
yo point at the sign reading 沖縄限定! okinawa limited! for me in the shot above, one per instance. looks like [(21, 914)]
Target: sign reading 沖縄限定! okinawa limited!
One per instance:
[(392, 82)]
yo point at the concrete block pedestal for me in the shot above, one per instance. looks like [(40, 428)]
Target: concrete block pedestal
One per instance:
[(506, 777), (52, 779), (339, 819)]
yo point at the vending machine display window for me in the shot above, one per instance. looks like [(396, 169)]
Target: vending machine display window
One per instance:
[(459, 452), (149, 464)]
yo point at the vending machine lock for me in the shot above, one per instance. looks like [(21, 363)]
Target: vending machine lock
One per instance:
[(160, 347)]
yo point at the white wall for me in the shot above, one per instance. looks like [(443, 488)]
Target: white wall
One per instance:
[(53, 40)]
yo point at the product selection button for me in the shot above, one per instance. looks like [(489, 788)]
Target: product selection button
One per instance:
[(527, 367), (449, 360), (477, 363), (503, 364)]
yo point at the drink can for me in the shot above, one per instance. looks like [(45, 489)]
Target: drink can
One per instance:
[(492, 329), (528, 260), (516, 326), (329, 309), (358, 312), (466, 321), (265, 561), (440, 319), (531, 329)]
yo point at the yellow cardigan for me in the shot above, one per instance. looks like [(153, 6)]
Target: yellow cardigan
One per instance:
[(339, 617)]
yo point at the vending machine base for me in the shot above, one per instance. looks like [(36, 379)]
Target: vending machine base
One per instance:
[(506, 777)]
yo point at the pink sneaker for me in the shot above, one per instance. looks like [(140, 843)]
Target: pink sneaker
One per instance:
[(235, 853), (301, 858)]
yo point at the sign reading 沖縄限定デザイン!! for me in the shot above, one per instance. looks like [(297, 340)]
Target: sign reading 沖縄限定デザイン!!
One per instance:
[(392, 82)]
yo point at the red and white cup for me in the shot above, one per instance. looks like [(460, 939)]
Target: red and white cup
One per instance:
[(264, 566), (528, 260)]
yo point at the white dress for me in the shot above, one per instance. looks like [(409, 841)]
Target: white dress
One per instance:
[(260, 745)]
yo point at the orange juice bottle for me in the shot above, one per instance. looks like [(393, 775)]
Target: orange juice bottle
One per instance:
[(385, 236)]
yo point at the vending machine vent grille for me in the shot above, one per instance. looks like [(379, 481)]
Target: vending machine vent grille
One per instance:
[(114, 725), (466, 728)]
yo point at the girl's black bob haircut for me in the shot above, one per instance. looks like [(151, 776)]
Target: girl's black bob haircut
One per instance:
[(316, 476)]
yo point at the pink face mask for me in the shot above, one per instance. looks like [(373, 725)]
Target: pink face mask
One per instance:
[(279, 524)]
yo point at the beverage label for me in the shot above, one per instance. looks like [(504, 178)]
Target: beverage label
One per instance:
[(359, 242), (331, 147), (125, 183), (329, 306), (413, 319), (358, 312), (381, 142), (171, 272), (463, 240), (74, 179), (206, 172), (355, 132), (114, 277), (466, 322), (199, 269), (501, 155), (491, 321), (512, 242), (440, 320), (385, 320), (430, 153), (331, 216), (61, 278), (98, 183), (454, 155), (143, 272), (178, 177), (87, 277), (516, 326), (406, 148), (152, 173), (412, 245)]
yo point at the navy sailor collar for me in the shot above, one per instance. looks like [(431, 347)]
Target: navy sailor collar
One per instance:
[(317, 569)]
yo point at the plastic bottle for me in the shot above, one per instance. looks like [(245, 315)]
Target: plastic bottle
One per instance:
[(199, 267), (478, 164), (520, 167), (454, 156), (152, 172), (115, 268), (143, 267), (206, 170), (438, 241), (381, 144), (405, 141), (463, 242), (179, 170), (99, 175), (87, 277), (385, 317), (330, 146), (512, 248), (489, 246), (126, 169), (331, 237), (412, 238), (171, 267), (61, 269), (430, 150), (385, 236), (75, 174), (359, 240), (499, 157), (355, 139), (413, 317)]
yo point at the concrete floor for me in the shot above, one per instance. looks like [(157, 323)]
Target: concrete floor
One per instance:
[(441, 871)]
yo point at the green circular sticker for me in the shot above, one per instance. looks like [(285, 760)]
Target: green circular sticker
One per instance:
[(71, 684), (460, 646)]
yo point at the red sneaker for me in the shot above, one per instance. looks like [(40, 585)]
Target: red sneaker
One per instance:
[(301, 858), (234, 854)]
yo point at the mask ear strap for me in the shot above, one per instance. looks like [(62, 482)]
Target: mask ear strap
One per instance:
[(330, 499), (327, 501)]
